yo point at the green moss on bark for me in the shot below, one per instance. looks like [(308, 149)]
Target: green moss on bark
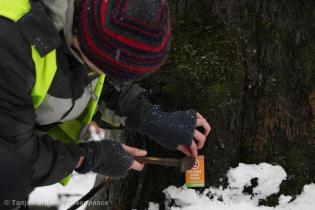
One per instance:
[(204, 69)]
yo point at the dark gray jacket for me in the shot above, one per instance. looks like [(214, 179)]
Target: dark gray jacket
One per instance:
[(20, 122)]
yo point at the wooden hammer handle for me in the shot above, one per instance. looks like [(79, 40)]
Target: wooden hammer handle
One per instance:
[(159, 161)]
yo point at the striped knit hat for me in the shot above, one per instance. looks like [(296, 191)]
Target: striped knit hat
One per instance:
[(127, 40)]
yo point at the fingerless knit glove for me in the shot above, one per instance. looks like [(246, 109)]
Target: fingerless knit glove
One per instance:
[(169, 129), (105, 157)]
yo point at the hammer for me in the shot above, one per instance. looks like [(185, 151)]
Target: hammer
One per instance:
[(183, 164)]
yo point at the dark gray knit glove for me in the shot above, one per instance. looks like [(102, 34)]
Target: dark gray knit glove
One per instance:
[(105, 157), (169, 129)]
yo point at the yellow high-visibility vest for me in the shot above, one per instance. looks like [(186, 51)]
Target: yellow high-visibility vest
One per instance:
[(45, 70)]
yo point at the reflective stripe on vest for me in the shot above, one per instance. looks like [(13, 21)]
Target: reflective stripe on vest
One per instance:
[(69, 131), (45, 67), (14, 9), (45, 70)]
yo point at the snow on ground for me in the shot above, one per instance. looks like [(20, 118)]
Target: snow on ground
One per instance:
[(259, 182), (153, 206), (63, 197)]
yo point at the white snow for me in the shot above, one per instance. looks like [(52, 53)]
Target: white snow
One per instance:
[(153, 206), (96, 134), (269, 180), (232, 197), (63, 197)]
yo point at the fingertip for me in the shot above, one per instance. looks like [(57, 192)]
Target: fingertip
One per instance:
[(143, 152), (137, 166), (199, 137), (139, 152), (194, 150), (201, 143), (208, 130), (184, 150), (195, 154)]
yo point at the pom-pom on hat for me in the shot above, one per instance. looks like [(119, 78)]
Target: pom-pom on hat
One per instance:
[(126, 39)]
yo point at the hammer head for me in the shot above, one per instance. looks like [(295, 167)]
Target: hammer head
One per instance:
[(187, 163)]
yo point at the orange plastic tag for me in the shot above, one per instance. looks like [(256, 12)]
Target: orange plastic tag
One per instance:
[(196, 176)]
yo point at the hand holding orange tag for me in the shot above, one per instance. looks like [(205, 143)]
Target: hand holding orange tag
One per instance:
[(196, 176)]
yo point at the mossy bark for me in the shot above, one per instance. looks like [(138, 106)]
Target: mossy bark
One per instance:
[(249, 68)]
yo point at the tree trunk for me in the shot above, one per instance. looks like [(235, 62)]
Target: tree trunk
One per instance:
[(249, 68)]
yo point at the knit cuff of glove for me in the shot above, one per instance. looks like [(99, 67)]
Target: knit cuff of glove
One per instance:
[(105, 157), (88, 153), (169, 129)]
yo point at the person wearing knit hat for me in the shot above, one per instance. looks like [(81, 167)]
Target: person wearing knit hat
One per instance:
[(57, 53), (127, 40)]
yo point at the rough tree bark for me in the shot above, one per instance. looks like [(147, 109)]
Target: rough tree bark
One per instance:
[(249, 68)]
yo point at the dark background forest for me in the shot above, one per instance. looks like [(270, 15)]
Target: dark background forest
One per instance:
[(249, 68)]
